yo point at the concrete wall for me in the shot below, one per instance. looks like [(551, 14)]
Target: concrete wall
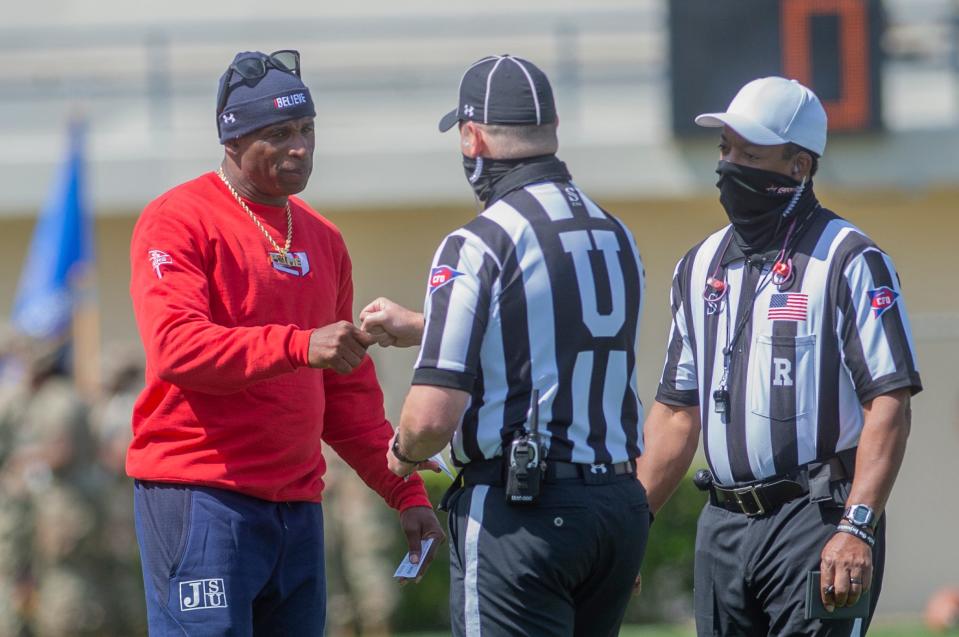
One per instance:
[(392, 250)]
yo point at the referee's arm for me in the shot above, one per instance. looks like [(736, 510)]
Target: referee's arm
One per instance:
[(671, 435), (671, 430), (882, 446), (429, 418), (878, 352)]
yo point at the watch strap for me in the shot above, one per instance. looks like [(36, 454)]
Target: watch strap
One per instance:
[(400, 455)]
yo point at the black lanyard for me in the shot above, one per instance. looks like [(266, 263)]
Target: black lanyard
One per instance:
[(721, 395)]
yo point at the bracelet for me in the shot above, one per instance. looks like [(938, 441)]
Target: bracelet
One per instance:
[(862, 535), (868, 528), (400, 455)]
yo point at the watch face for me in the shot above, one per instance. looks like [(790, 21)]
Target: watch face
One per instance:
[(860, 514)]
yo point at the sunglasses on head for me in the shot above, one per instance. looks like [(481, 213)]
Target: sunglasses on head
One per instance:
[(255, 67)]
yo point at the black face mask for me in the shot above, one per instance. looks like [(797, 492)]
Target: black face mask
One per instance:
[(756, 201), (482, 173)]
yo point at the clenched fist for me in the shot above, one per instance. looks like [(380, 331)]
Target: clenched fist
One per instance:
[(392, 324), (339, 346)]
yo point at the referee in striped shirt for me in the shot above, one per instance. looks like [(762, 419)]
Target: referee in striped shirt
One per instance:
[(791, 349), (538, 296)]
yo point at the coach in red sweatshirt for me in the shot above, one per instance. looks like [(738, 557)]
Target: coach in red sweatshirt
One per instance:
[(243, 296)]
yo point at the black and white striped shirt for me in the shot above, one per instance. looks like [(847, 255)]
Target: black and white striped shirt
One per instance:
[(808, 358), (542, 290)]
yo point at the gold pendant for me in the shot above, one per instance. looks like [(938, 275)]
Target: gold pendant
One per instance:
[(287, 259)]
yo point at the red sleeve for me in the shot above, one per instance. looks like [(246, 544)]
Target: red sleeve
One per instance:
[(171, 301), (355, 424)]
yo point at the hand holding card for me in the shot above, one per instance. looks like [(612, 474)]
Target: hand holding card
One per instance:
[(407, 570)]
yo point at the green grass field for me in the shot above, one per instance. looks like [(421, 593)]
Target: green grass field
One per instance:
[(897, 629)]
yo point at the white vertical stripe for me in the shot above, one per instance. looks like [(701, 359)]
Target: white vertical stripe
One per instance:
[(474, 525), (900, 307), (614, 394), (641, 270), (851, 418), (815, 278), (541, 325), (552, 200), (594, 211), (879, 358), (460, 312), (856, 628), (459, 107), (718, 449), (495, 387), (464, 297), (640, 415), (427, 304), (716, 436), (759, 435), (532, 86), (579, 429), (489, 81), (686, 377)]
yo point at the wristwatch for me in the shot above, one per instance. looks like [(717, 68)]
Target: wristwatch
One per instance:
[(401, 456), (862, 516)]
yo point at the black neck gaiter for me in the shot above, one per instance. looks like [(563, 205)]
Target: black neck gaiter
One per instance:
[(482, 173), (491, 179), (758, 201)]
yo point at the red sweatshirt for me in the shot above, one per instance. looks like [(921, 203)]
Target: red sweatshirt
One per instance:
[(230, 400)]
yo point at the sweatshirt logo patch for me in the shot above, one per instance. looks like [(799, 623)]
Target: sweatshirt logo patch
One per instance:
[(295, 263), (158, 258)]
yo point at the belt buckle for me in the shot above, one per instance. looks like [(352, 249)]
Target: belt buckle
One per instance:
[(740, 492)]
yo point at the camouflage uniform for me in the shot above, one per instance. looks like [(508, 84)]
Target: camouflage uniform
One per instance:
[(55, 462), (361, 593), (110, 422), (16, 522)]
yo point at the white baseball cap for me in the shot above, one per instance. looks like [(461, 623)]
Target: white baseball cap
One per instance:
[(771, 111)]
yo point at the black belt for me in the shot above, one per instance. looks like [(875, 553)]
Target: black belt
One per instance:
[(491, 472), (759, 498)]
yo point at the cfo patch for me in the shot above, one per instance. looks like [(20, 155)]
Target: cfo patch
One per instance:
[(440, 276), (881, 299)]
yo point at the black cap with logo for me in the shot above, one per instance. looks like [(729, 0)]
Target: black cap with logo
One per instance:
[(501, 89)]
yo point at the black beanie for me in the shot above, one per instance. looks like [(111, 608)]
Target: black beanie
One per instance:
[(276, 97)]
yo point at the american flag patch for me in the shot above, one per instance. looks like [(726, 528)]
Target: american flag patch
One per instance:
[(788, 307)]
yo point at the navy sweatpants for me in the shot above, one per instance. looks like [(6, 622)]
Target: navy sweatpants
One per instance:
[(216, 562)]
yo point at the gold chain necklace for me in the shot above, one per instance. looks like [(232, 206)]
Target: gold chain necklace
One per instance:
[(266, 233)]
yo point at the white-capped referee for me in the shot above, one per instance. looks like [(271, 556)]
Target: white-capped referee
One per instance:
[(540, 295), (791, 348)]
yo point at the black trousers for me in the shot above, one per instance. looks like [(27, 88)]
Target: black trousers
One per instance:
[(750, 573), (564, 567)]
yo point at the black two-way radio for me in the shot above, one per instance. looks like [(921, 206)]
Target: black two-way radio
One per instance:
[(524, 468)]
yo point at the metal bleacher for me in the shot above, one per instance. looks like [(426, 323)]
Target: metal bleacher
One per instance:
[(381, 79)]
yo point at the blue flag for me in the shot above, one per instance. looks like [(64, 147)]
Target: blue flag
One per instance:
[(62, 246)]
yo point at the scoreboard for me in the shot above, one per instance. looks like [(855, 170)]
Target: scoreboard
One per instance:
[(831, 46)]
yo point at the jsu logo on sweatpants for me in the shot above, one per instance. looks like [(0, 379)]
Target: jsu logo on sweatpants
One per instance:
[(202, 594)]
